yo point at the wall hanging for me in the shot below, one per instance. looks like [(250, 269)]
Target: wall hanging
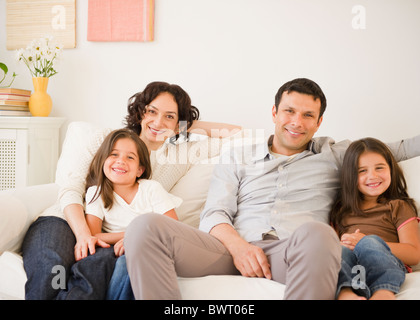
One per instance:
[(30, 19), (121, 20)]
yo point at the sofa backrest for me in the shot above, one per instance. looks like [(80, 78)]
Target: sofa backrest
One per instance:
[(411, 170)]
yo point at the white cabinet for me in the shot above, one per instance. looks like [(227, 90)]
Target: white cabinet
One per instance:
[(29, 150)]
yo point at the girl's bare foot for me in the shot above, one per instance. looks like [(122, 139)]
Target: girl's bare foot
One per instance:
[(349, 294), (383, 295)]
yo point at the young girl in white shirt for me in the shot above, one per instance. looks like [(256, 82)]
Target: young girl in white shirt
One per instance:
[(118, 188)]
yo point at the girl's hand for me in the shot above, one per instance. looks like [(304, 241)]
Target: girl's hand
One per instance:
[(119, 248), (86, 246), (350, 240)]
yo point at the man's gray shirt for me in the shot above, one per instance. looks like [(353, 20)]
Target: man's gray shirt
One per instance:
[(256, 193)]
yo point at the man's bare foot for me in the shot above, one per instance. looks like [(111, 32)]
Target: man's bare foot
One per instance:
[(383, 295), (349, 294)]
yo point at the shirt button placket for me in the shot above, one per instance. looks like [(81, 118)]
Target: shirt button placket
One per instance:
[(281, 179)]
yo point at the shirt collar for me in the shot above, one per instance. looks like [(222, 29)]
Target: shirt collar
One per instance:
[(266, 155)]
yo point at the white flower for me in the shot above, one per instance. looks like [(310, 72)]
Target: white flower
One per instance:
[(39, 56), (19, 54)]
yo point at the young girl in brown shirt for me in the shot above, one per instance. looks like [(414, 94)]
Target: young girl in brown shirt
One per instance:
[(376, 222)]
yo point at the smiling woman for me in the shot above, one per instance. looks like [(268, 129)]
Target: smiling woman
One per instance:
[(160, 101), (160, 120)]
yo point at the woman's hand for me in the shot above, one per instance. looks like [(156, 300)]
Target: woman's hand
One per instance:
[(86, 245), (350, 240), (85, 242)]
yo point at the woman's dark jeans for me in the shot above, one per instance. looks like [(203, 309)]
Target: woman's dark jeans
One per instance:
[(51, 269)]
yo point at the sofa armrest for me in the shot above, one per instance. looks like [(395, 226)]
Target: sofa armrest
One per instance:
[(19, 208)]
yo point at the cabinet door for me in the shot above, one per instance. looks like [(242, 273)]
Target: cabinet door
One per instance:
[(42, 156), (13, 158)]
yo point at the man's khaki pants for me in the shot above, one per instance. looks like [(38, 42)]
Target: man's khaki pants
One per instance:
[(159, 249)]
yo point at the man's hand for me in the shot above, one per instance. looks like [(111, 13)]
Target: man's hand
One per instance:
[(249, 259)]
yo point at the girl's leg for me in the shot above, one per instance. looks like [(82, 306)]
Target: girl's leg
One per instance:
[(120, 287), (351, 283), (384, 271), (48, 251), (382, 294)]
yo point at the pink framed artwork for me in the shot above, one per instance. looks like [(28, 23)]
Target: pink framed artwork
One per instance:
[(121, 20)]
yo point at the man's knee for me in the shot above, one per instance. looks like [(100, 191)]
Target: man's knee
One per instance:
[(316, 229), (142, 229), (318, 239)]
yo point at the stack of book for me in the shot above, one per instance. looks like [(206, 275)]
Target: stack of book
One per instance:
[(14, 102)]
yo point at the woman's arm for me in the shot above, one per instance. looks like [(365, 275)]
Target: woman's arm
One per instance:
[(214, 129), (408, 249), (85, 242), (81, 143)]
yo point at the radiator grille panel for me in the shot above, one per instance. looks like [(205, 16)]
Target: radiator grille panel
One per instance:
[(7, 164)]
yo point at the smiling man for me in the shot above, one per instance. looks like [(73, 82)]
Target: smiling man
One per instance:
[(297, 117), (266, 214)]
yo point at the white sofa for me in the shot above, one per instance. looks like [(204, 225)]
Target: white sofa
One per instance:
[(20, 207)]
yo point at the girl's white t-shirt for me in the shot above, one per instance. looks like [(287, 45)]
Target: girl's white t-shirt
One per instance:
[(151, 197)]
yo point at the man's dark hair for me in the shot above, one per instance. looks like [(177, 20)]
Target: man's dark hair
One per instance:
[(304, 86)]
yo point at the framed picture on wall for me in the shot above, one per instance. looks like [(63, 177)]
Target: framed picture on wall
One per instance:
[(121, 20), (27, 20)]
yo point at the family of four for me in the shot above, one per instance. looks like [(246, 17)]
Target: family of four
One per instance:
[(298, 210)]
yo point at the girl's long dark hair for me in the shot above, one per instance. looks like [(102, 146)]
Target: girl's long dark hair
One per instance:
[(96, 176), (349, 198)]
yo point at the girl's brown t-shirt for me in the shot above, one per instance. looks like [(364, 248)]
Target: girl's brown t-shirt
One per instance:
[(383, 220)]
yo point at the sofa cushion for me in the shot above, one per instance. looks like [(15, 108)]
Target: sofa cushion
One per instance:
[(223, 287), (411, 170), (19, 208), (193, 202), (12, 276)]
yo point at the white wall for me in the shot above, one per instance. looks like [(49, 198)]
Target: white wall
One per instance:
[(233, 55)]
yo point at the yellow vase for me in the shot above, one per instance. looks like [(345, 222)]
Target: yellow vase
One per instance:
[(40, 103)]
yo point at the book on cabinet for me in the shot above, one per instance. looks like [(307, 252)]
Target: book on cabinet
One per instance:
[(14, 102)]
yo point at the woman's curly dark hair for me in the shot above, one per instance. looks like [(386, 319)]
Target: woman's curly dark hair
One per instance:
[(138, 102)]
